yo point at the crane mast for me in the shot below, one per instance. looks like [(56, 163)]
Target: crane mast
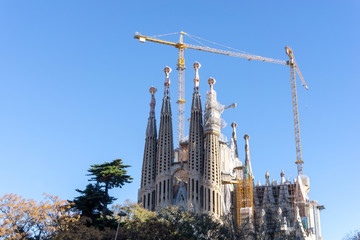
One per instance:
[(181, 82), (181, 92), (293, 68)]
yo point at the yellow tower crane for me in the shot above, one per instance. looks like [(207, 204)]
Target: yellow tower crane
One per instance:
[(181, 80)]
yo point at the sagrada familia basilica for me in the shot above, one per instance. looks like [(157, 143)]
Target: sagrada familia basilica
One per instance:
[(206, 175)]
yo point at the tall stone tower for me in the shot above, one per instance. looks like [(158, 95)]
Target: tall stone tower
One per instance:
[(196, 149), (165, 151), (147, 188), (212, 172)]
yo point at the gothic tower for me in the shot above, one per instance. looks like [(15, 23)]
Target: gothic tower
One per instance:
[(165, 151), (196, 149), (212, 173), (147, 187)]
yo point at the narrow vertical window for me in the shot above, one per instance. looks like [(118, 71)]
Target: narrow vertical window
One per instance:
[(205, 199), (160, 192), (213, 201), (202, 197), (164, 188), (188, 190), (208, 199), (217, 203), (152, 201), (168, 188), (192, 188)]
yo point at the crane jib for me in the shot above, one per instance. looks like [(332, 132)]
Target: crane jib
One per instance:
[(181, 67)]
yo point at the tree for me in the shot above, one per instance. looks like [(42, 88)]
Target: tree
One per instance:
[(80, 230), (140, 223), (108, 176), (22, 218), (169, 223), (94, 199), (90, 204)]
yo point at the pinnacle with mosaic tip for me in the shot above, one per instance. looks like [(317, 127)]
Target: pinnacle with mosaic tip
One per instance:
[(167, 71), (211, 82), (196, 66)]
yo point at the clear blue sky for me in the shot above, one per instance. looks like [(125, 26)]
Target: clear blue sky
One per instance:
[(74, 90)]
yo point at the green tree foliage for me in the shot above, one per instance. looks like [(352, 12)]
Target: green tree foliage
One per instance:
[(90, 204), (94, 200), (108, 176), (90, 201), (81, 230), (169, 223)]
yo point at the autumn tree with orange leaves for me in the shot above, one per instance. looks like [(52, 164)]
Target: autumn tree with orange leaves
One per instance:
[(22, 218)]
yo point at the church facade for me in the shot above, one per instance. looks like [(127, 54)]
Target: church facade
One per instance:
[(206, 176)]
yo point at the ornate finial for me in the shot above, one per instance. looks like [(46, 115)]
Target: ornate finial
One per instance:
[(211, 82), (234, 125), (282, 175), (196, 66), (167, 70), (246, 137), (267, 176), (152, 90)]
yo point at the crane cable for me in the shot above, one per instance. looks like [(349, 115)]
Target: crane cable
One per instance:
[(196, 40), (216, 43), (193, 38), (162, 35)]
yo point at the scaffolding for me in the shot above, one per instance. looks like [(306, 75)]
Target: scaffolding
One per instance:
[(244, 201)]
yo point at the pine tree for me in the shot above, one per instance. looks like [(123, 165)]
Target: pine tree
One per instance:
[(109, 176)]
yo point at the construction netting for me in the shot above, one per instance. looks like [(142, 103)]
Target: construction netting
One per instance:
[(212, 114)]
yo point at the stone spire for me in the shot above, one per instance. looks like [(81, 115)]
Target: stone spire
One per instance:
[(165, 151), (248, 170), (234, 125), (196, 101), (147, 187), (151, 127), (236, 163), (212, 172), (166, 107), (268, 193), (196, 147), (283, 190)]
